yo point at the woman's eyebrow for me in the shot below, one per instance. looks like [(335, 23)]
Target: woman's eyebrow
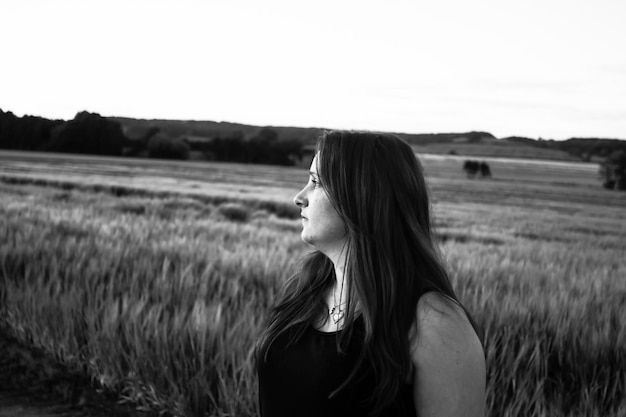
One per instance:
[(311, 173)]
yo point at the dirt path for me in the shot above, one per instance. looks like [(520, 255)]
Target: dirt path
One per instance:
[(33, 386), (18, 404)]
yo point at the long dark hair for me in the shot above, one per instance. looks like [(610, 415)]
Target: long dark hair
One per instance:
[(377, 185)]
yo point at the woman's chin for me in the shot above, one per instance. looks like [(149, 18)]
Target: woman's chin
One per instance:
[(306, 239)]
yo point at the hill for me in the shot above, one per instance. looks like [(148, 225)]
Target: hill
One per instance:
[(475, 143), (209, 129), (91, 133)]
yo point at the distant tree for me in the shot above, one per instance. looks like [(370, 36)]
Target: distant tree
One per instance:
[(260, 148), (264, 147), (231, 148), (160, 146), (88, 133), (25, 133), (267, 148), (135, 146), (613, 171), (290, 151), (471, 168), (40, 134), (485, 171), (8, 130)]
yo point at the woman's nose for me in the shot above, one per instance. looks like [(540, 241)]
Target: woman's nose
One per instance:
[(300, 200)]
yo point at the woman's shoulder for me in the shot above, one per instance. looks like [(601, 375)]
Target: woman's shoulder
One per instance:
[(441, 319), (449, 359)]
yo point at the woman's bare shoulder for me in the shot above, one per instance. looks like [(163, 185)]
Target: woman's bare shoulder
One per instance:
[(439, 314), (448, 359)]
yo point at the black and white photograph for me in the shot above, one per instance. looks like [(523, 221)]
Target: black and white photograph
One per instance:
[(398, 208)]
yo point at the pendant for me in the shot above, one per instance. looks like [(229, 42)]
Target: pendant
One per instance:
[(336, 313)]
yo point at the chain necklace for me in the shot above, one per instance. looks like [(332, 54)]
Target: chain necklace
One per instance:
[(337, 312)]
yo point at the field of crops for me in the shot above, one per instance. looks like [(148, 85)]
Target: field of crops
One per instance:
[(154, 276)]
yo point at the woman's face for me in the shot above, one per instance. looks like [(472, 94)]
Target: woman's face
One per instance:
[(321, 225)]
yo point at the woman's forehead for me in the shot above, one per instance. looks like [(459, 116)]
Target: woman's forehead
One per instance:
[(314, 164)]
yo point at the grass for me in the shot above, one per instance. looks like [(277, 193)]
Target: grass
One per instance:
[(117, 293), (158, 292)]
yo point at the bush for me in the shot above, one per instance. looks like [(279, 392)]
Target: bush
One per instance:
[(472, 167), (160, 146), (613, 171), (609, 184), (234, 212)]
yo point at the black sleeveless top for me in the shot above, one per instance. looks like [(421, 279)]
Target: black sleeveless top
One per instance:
[(297, 380)]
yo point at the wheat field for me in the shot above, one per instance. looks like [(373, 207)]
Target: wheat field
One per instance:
[(153, 277)]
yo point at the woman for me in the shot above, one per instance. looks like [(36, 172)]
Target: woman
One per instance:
[(370, 324)]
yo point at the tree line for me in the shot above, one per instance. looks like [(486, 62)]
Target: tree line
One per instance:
[(87, 133), (264, 147), (90, 133)]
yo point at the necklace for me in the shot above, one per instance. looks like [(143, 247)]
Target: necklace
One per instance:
[(337, 312)]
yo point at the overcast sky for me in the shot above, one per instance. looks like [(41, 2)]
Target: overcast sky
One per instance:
[(537, 68)]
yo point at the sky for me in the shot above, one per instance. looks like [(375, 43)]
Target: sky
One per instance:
[(550, 69)]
